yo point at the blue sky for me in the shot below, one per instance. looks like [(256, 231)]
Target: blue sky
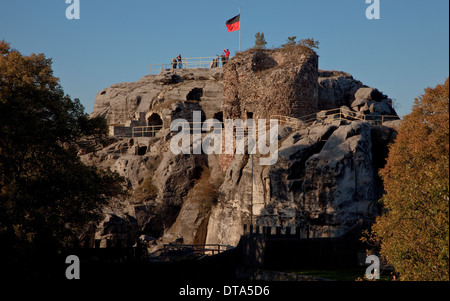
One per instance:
[(401, 54)]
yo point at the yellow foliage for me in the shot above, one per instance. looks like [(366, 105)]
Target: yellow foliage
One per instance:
[(414, 231)]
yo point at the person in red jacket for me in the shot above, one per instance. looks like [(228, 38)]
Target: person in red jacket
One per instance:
[(227, 56)]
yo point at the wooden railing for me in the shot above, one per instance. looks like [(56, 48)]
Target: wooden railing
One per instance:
[(297, 123), (338, 114), (146, 131), (211, 249)]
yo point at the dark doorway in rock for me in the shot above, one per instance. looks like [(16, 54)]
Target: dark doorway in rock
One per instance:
[(142, 150), (219, 116), (249, 115), (195, 94), (154, 120), (155, 124)]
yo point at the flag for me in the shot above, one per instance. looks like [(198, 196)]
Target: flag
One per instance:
[(234, 23)]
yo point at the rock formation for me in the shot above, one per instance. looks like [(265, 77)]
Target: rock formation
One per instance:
[(167, 94), (325, 179), (324, 182)]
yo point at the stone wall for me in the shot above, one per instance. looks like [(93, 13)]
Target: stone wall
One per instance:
[(260, 84)]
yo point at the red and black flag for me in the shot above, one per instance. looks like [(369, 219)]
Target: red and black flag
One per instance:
[(234, 23)]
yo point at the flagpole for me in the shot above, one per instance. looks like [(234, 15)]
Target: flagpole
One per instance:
[(240, 23)]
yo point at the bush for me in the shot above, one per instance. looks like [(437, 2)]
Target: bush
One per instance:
[(147, 191), (306, 46), (206, 190)]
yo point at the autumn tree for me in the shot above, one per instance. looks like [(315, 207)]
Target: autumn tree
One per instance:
[(414, 230), (47, 195), (260, 41)]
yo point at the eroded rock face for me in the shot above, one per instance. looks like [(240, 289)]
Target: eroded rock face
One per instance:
[(336, 89), (339, 183), (121, 103), (324, 181), (172, 176)]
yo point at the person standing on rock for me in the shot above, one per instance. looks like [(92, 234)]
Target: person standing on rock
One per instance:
[(174, 63), (180, 64), (214, 63), (227, 56)]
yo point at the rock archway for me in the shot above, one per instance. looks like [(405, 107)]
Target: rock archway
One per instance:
[(155, 124), (154, 120)]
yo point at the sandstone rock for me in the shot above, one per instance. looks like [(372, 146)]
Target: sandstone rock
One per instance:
[(365, 109), (347, 112), (117, 230), (380, 108), (359, 102), (227, 217), (369, 94), (339, 186), (153, 93), (191, 223), (324, 178), (394, 124), (336, 89)]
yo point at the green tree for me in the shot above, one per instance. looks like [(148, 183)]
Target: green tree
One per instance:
[(309, 43), (306, 46), (47, 196), (414, 230), (290, 41), (260, 41)]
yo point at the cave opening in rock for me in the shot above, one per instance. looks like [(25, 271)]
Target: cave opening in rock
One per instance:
[(195, 95), (155, 124), (142, 150), (249, 115), (219, 117), (154, 120)]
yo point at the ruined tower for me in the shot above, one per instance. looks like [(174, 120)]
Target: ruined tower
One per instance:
[(264, 83)]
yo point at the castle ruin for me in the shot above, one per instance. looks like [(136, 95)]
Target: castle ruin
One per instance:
[(265, 83)]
